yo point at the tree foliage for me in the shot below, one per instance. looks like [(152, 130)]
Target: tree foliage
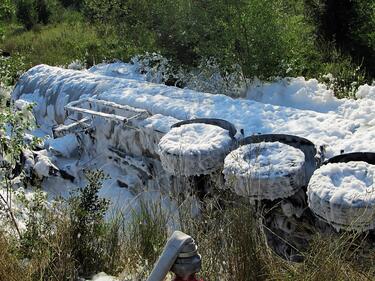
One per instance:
[(6, 10), (32, 12), (250, 33), (349, 25), (264, 38)]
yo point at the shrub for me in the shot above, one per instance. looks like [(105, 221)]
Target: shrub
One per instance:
[(13, 125), (189, 30), (344, 77), (76, 4), (42, 11), (87, 212), (11, 268), (229, 236), (11, 69), (63, 241), (46, 243)]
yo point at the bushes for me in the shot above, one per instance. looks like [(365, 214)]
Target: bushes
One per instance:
[(244, 32), (63, 239), (258, 39), (71, 3), (10, 266), (25, 13), (265, 38), (87, 227), (42, 11), (46, 240), (254, 34), (344, 76), (11, 69), (33, 12), (46, 243)]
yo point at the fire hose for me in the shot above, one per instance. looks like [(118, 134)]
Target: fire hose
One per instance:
[(180, 256)]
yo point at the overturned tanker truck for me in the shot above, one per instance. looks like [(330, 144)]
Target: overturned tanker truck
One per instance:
[(182, 142)]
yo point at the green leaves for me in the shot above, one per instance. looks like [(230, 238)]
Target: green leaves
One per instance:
[(11, 69), (88, 227), (6, 10), (13, 126)]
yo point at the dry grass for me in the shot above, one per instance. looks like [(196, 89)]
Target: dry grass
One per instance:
[(231, 241), (10, 267), (233, 246), (335, 258)]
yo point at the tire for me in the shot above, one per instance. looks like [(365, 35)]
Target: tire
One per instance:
[(343, 194), (247, 171), (307, 147), (200, 157)]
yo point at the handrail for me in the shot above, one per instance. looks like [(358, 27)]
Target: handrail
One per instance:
[(75, 106)]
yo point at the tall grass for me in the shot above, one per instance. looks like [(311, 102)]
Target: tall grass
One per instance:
[(231, 241), (10, 266), (233, 246), (57, 45), (61, 43)]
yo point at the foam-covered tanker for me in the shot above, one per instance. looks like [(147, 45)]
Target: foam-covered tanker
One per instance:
[(180, 147)]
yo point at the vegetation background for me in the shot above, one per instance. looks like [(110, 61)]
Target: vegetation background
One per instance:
[(266, 39)]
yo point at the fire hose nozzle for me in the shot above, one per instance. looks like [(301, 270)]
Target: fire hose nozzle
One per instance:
[(180, 255)]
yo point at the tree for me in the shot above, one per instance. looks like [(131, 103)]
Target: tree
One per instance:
[(349, 25), (25, 13), (31, 12), (42, 11)]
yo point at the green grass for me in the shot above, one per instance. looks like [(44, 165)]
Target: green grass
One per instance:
[(61, 43), (57, 45)]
